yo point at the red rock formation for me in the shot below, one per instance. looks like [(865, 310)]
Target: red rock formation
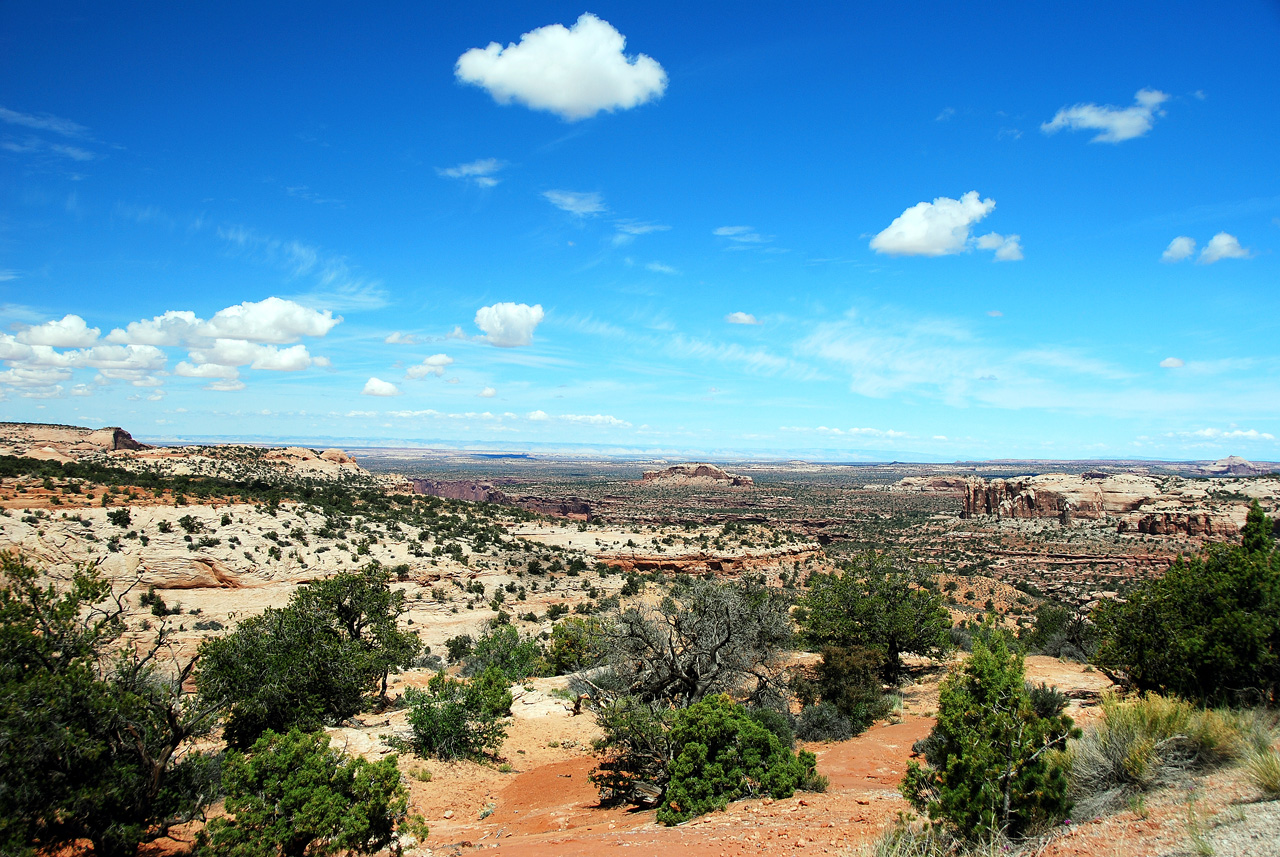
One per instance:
[(1191, 524)]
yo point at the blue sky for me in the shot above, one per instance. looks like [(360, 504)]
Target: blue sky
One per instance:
[(909, 230)]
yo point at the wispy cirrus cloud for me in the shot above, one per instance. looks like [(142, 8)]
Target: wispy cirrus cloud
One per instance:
[(576, 203), (32, 143), (481, 173), (336, 284)]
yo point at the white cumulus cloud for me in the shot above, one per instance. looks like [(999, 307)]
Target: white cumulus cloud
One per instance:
[(273, 320), (205, 370), (507, 324), (1179, 248), (433, 365), (172, 328), (1008, 247), (70, 331), (741, 318), (1172, 363), (1114, 124), (1222, 246), (487, 393), (938, 228), (574, 72), (237, 352), (378, 387), (573, 202), (538, 416), (398, 338)]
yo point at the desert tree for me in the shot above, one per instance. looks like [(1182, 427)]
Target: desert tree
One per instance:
[(312, 663), (1209, 630), (703, 638), (878, 601), (994, 761), (94, 735)]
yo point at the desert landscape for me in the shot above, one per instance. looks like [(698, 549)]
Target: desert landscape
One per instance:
[(196, 540)]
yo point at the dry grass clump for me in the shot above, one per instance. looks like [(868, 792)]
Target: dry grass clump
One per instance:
[(1154, 740), (907, 839), (1264, 771)]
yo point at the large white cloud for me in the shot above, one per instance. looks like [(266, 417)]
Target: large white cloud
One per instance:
[(1115, 124), (509, 324), (938, 228), (70, 331), (1222, 246), (433, 365), (273, 320), (1179, 248), (12, 349), (574, 72), (378, 387)]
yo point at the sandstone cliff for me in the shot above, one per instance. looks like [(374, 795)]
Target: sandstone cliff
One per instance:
[(1213, 508), (63, 443)]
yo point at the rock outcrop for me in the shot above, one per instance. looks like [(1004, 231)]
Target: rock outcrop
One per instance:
[(697, 474), (1209, 508), (63, 443), (1233, 465)]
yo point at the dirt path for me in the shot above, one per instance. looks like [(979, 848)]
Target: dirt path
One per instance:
[(553, 810)]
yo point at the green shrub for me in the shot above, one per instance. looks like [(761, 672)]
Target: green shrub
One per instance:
[(1264, 771), (1059, 634), (634, 750), (719, 754), (849, 679), (456, 719), (823, 722), (502, 647), (576, 644), (459, 647), (995, 764), (292, 796)]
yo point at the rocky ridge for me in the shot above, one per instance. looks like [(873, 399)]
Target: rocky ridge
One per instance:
[(697, 474)]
